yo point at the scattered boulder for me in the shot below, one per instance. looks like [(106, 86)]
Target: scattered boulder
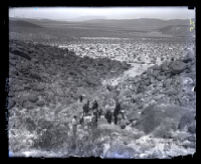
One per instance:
[(192, 138), (177, 67), (188, 58), (30, 125), (161, 77), (38, 88), (27, 104), (164, 67), (40, 103), (192, 128), (157, 115), (186, 120), (33, 98), (11, 103)]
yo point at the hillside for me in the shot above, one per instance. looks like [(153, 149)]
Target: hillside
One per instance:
[(45, 84)]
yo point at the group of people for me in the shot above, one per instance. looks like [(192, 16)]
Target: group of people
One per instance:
[(91, 114)]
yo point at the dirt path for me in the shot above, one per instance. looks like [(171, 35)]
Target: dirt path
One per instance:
[(135, 70)]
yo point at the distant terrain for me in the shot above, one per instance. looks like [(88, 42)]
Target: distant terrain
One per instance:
[(64, 30)]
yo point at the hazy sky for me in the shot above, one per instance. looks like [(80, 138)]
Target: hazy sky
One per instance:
[(84, 13)]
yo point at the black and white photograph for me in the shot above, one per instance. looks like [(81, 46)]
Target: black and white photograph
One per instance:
[(103, 82)]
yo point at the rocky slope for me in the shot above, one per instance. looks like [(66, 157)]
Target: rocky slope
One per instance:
[(45, 71), (43, 80), (45, 83)]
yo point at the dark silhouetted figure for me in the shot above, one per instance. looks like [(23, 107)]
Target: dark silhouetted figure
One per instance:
[(108, 116), (95, 105), (82, 120), (116, 112), (95, 119), (86, 108), (81, 98)]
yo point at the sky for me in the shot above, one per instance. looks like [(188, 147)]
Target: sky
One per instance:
[(87, 13)]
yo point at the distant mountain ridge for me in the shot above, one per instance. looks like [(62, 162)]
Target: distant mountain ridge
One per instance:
[(110, 21), (22, 23), (174, 27)]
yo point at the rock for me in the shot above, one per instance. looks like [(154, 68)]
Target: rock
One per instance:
[(171, 91), (54, 136), (186, 120), (158, 115), (30, 125), (164, 67), (133, 115), (177, 67), (11, 103), (192, 138), (27, 104), (168, 75), (120, 151), (155, 73), (161, 78), (11, 93), (33, 98), (35, 76), (190, 145), (192, 128), (188, 58), (147, 82), (40, 103)]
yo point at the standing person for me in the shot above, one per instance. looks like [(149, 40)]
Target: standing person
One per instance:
[(110, 106), (95, 105), (94, 121), (96, 115), (86, 108), (121, 121), (74, 125), (81, 98), (116, 112), (108, 116), (74, 129), (82, 119)]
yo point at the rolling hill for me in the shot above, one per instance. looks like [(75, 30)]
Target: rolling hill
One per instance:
[(22, 24), (128, 28)]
